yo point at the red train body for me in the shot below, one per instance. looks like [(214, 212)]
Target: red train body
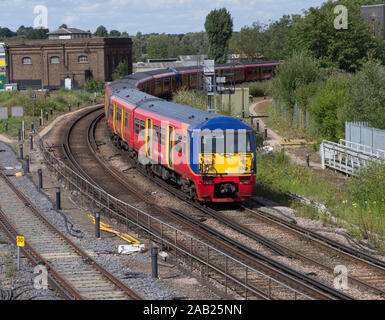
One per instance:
[(167, 139)]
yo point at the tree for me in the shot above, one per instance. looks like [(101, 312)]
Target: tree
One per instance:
[(162, 46), (249, 41), (115, 33), (6, 33), (344, 49), (367, 95), (219, 29), (120, 71), (101, 31), (63, 26)]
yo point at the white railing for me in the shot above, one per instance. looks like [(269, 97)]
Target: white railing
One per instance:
[(347, 158), (361, 147)]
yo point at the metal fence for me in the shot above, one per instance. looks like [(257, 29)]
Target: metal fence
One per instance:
[(370, 139)]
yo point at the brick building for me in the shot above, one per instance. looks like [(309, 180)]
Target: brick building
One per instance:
[(45, 64)]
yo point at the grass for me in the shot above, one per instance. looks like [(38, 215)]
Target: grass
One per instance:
[(190, 98), (360, 201), (58, 101), (283, 127), (8, 260)]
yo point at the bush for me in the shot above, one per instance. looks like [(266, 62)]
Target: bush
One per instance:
[(327, 105), (94, 85), (259, 89), (297, 72)]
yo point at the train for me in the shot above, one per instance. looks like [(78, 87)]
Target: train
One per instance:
[(208, 156)]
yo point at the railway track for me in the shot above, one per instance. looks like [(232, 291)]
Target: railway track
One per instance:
[(262, 277), (71, 271), (364, 271)]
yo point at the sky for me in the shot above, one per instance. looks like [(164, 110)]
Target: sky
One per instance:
[(145, 16)]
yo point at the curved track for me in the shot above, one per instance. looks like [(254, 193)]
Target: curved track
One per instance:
[(81, 151), (71, 270)]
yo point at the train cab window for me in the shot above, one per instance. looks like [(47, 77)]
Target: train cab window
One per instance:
[(155, 134), (112, 111), (162, 136), (142, 132), (137, 126)]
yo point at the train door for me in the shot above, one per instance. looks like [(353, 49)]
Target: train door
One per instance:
[(170, 147), (118, 120), (126, 126), (156, 147), (148, 137)]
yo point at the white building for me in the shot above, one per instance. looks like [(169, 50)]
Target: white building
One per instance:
[(68, 33)]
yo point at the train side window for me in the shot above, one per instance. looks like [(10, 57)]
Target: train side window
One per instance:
[(252, 71), (184, 145), (126, 121), (136, 126), (118, 114), (142, 132), (178, 143), (162, 136), (158, 84), (155, 133)]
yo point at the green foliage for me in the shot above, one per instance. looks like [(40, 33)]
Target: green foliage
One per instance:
[(344, 49), (94, 85), (249, 41), (259, 89), (115, 33), (367, 95), (168, 46), (162, 46), (120, 71), (101, 31), (330, 98), (219, 28), (293, 77), (278, 173)]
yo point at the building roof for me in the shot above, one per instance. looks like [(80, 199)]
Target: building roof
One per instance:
[(67, 31)]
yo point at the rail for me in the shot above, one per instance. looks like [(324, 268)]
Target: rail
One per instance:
[(183, 244)]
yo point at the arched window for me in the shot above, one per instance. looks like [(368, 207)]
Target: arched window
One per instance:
[(83, 58), (26, 60), (54, 60)]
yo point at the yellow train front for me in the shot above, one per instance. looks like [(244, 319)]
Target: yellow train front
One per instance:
[(223, 160)]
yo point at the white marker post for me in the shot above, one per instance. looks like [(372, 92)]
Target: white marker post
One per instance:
[(20, 243)]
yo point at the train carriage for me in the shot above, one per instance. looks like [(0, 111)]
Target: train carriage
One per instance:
[(182, 144), (209, 156)]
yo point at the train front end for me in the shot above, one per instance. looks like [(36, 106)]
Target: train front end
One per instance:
[(224, 161)]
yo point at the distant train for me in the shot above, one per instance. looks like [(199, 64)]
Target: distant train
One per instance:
[(209, 156)]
